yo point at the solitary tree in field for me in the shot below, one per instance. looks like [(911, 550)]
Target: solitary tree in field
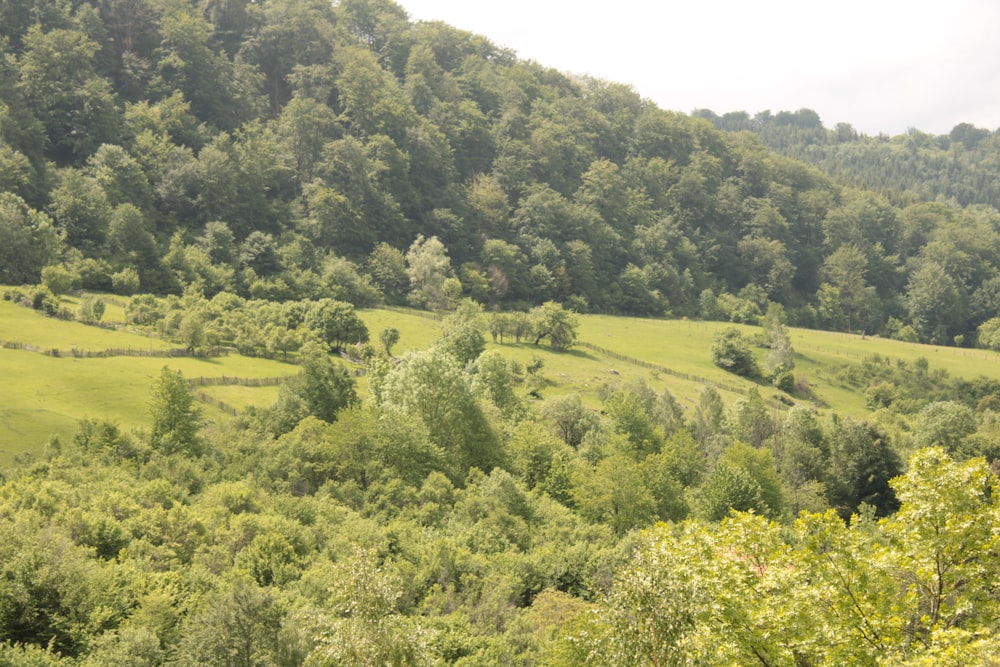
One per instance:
[(336, 323), (389, 337), (550, 320), (731, 352)]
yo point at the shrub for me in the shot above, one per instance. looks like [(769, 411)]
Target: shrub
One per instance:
[(731, 352), (784, 380), (125, 281), (44, 300)]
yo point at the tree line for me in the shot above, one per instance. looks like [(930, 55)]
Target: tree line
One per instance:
[(292, 149)]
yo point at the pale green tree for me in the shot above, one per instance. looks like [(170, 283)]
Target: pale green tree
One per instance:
[(363, 625), (614, 492), (428, 267), (176, 424), (989, 334), (492, 378), (430, 385), (28, 241), (553, 322), (944, 544)]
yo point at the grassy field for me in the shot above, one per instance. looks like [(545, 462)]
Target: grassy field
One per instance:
[(685, 346), (46, 395), (23, 325), (584, 370), (681, 349)]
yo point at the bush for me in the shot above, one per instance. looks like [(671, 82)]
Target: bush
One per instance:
[(785, 381), (44, 300), (125, 281), (731, 352), (907, 334), (91, 310), (57, 278)]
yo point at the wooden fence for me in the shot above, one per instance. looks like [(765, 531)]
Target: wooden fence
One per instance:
[(136, 352), (427, 315), (228, 380), (221, 405), (657, 367), (77, 353)]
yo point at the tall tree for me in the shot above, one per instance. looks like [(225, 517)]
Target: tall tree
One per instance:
[(934, 304), (176, 427), (76, 106), (28, 241)]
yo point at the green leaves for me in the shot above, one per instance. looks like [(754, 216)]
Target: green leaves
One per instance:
[(731, 352), (552, 321), (176, 419), (910, 589)]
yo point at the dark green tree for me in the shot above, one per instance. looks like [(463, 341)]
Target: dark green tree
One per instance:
[(860, 466), (731, 352), (28, 241), (336, 324), (322, 389)]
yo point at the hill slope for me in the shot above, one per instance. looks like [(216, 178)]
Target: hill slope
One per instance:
[(297, 150)]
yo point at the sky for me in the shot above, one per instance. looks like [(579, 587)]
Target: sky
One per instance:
[(884, 66)]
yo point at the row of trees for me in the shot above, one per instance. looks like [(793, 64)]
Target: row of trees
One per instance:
[(287, 149), (257, 327)]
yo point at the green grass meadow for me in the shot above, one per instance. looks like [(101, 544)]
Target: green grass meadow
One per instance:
[(44, 395), (23, 325), (683, 348)]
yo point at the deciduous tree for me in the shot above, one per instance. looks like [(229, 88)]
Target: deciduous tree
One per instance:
[(176, 424)]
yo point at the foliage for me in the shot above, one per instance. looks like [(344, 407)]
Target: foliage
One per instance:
[(378, 533), (989, 334), (388, 337), (28, 241), (175, 417), (336, 324), (731, 352), (187, 146), (271, 167), (428, 266), (321, 390), (555, 323), (430, 385)]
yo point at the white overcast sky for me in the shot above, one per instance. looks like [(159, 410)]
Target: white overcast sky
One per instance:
[(881, 65)]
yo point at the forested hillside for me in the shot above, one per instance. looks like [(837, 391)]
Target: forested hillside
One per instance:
[(960, 168), (288, 148), (238, 182)]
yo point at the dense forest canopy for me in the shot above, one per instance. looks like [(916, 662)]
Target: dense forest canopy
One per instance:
[(268, 149), (959, 168)]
